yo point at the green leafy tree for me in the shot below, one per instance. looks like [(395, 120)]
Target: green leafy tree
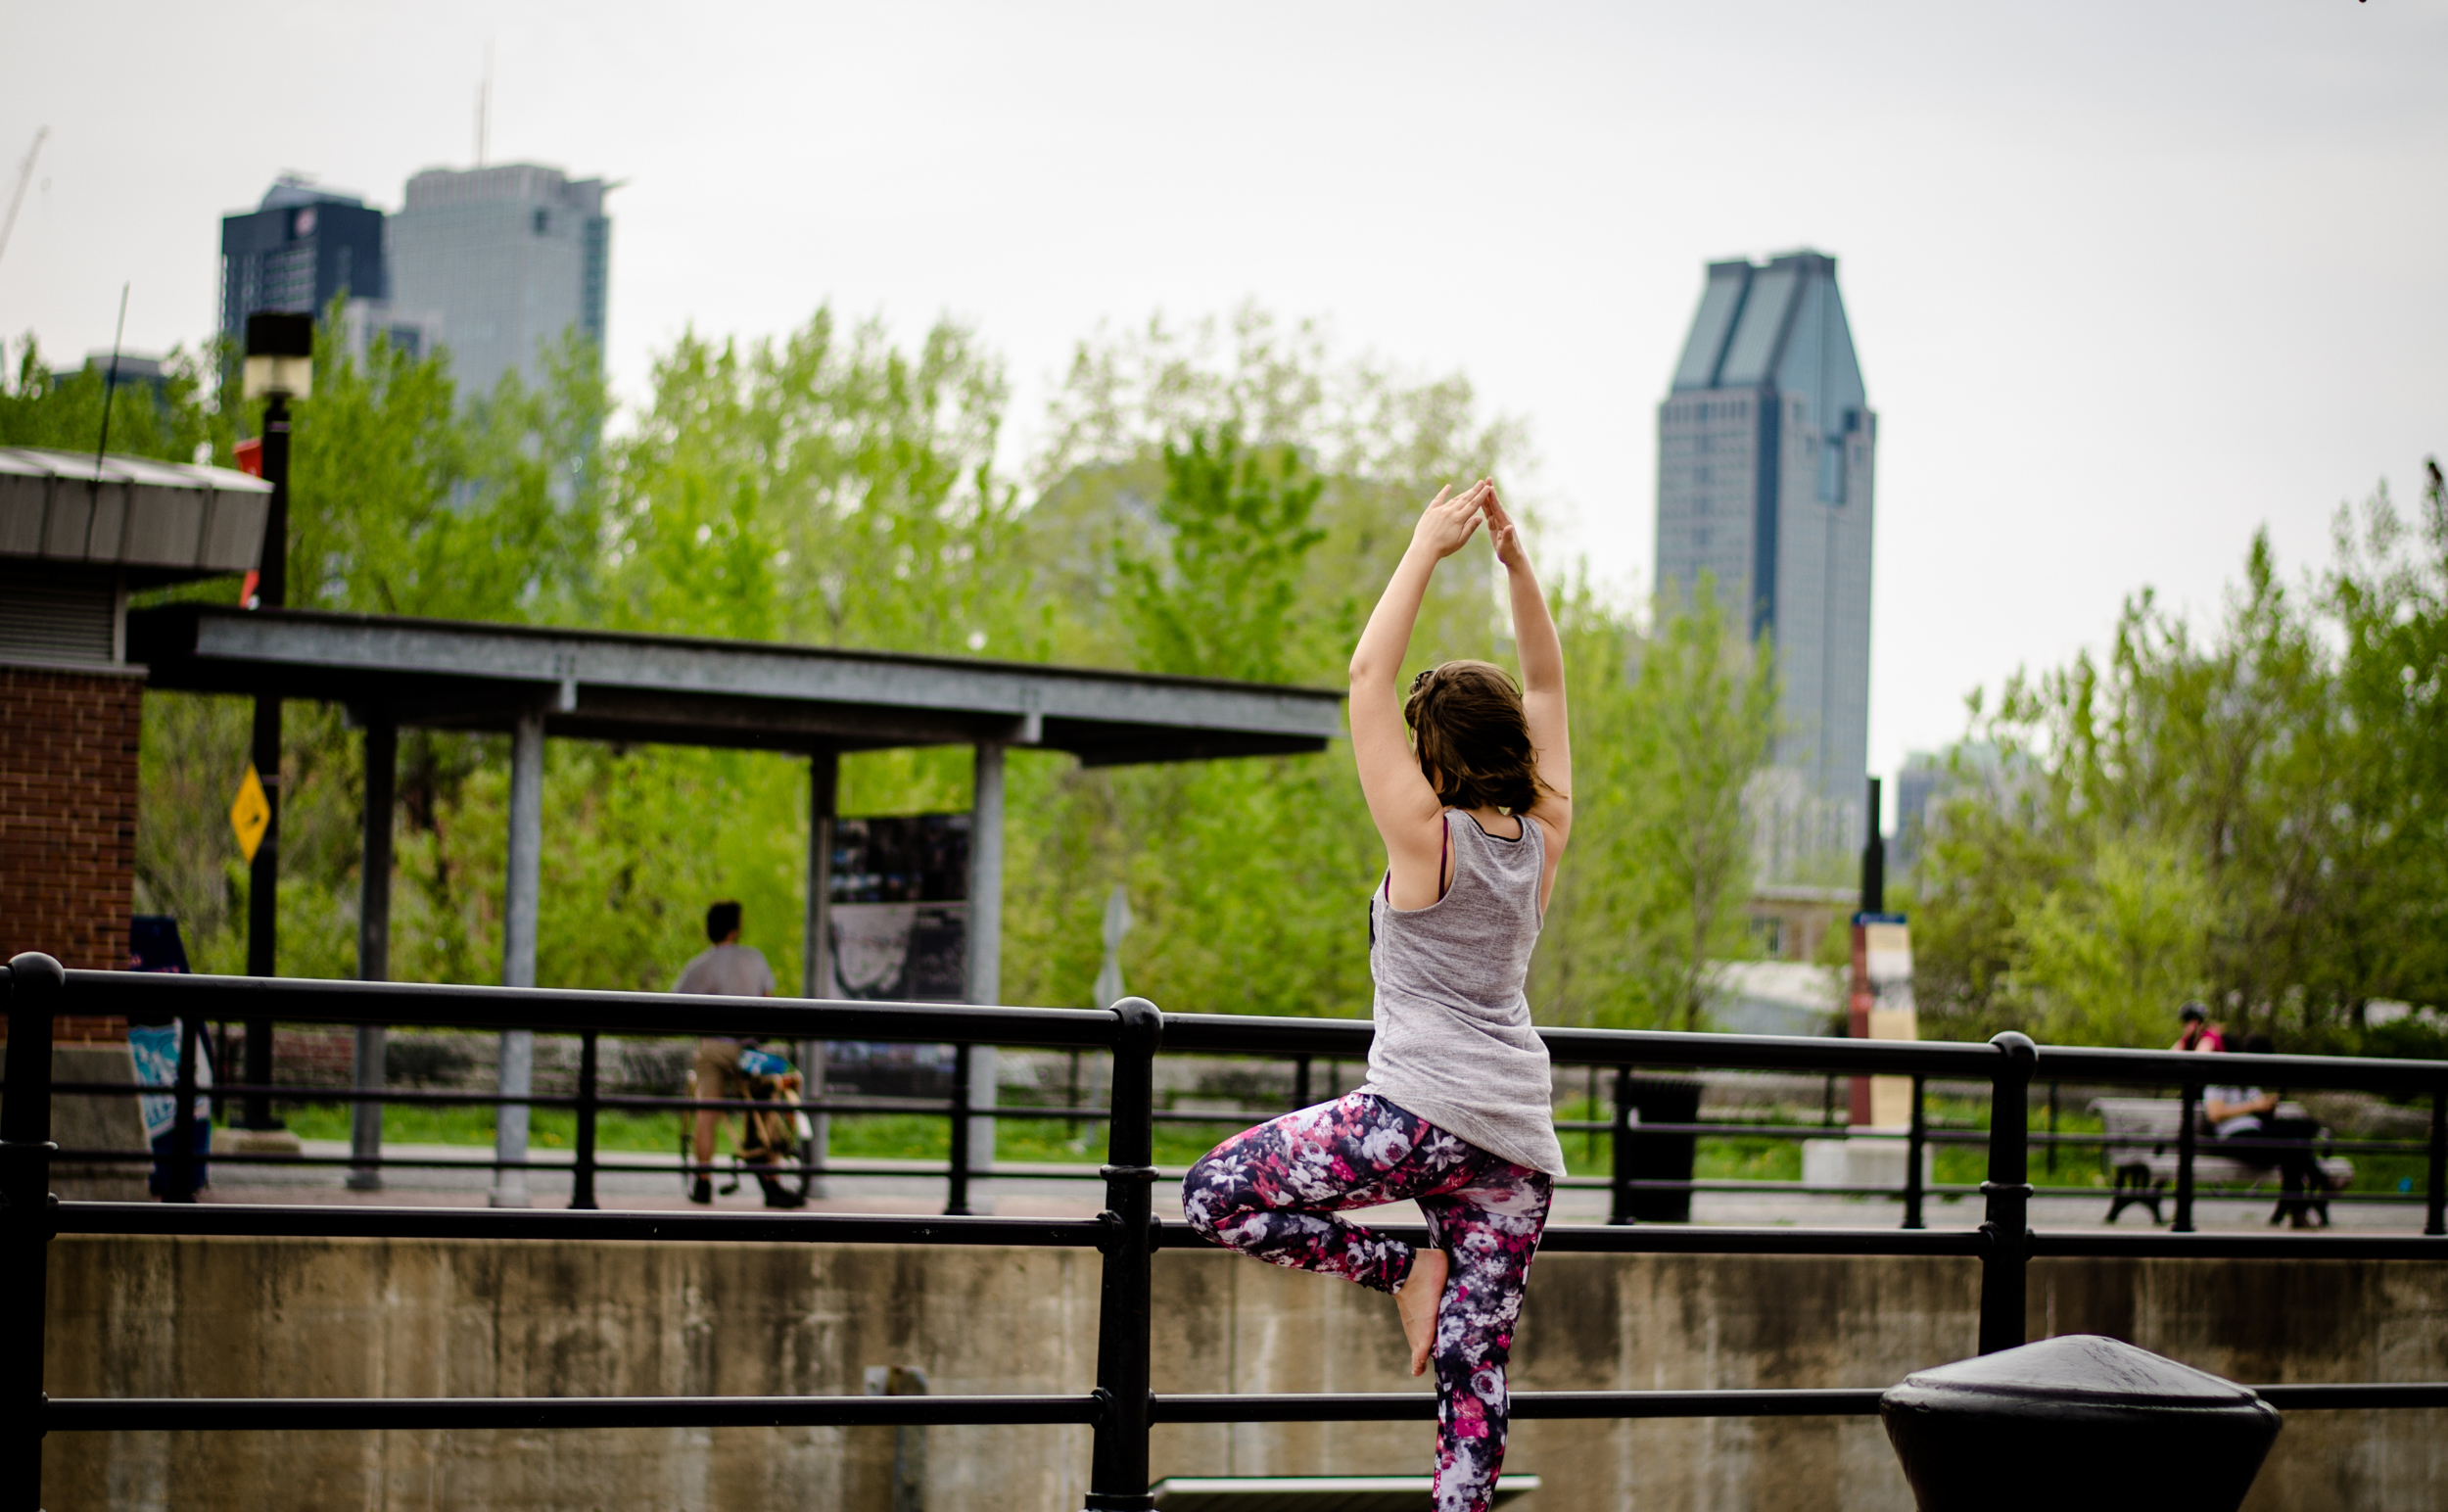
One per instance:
[(1671, 732), (827, 488), (2249, 815), (1223, 601), (2104, 960), (174, 422)]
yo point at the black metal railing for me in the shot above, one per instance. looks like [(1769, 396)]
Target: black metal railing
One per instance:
[(1626, 1131), (1121, 1407)]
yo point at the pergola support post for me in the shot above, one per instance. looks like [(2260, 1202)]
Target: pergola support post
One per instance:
[(985, 937), (522, 891), (816, 973)]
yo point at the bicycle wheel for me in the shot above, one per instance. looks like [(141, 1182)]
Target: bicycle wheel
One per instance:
[(788, 1132), (775, 1151)]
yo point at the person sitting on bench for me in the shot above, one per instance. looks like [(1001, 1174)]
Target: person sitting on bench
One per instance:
[(2247, 1128)]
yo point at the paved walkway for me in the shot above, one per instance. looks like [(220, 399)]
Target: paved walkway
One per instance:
[(1043, 1191)]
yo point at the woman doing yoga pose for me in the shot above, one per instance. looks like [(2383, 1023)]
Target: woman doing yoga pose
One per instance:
[(1474, 808)]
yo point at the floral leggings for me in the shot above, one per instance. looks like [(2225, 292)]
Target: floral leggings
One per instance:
[(1273, 1192)]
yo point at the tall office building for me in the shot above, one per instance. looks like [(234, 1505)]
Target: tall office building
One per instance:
[(297, 250), (503, 260), (1765, 454), (302, 247)]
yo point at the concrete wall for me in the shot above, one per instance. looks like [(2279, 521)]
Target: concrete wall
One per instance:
[(225, 1317)]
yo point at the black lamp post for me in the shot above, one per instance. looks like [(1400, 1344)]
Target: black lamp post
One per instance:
[(281, 365), (1874, 853)]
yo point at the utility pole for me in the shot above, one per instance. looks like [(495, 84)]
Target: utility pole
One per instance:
[(280, 365), (1874, 861)]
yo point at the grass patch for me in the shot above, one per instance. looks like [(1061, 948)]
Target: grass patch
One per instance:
[(854, 1136), (548, 1128)]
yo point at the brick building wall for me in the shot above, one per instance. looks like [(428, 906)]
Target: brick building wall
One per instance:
[(67, 812)]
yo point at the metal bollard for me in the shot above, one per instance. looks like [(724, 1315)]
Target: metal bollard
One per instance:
[(2079, 1421)]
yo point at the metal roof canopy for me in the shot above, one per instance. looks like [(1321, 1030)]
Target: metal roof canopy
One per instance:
[(158, 522), (686, 691)]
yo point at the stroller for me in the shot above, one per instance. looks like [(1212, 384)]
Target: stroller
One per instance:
[(774, 1143)]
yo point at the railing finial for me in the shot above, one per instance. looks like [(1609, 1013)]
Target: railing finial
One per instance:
[(2018, 1049), (1143, 1022)]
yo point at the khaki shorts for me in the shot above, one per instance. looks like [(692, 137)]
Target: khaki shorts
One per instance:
[(718, 1070)]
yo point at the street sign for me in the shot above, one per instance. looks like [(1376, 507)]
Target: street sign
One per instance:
[(249, 815)]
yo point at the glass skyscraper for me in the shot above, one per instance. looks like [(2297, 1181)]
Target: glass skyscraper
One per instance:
[(1767, 449), (501, 260)]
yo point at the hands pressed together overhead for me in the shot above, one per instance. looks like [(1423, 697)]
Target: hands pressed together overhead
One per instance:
[(1451, 519)]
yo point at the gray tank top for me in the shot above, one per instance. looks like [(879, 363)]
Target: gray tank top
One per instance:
[(1455, 1043)]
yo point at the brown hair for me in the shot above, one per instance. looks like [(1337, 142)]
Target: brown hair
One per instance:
[(1472, 737)]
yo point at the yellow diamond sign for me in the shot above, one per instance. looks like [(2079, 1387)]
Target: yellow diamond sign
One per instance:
[(251, 814)]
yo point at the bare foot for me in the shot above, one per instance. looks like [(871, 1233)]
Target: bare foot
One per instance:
[(1417, 1302)]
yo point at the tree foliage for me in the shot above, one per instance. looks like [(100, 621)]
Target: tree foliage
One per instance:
[(2252, 815), (2257, 813), (1670, 733)]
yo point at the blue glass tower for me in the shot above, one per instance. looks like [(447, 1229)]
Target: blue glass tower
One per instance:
[(1765, 460)]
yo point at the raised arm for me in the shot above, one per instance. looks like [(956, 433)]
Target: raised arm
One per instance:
[(1543, 686), (1408, 815)]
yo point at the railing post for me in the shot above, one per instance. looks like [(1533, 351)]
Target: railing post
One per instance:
[(1118, 1477), (583, 1169), (366, 1117), (2189, 1115), (1912, 1158), (182, 1183), (2007, 1194), (36, 982), (1299, 1082), (2438, 1222), (956, 1185), (1620, 1143), (220, 1058), (2051, 1152)]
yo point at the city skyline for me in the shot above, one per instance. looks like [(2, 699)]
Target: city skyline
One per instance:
[(493, 264)]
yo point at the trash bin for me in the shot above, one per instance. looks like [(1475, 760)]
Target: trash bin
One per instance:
[(2082, 1421), (1656, 1156)]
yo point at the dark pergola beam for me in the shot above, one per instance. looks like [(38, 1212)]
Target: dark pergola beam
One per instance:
[(671, 689)]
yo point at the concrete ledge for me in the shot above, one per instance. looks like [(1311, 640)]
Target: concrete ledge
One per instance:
[(228, 1318)]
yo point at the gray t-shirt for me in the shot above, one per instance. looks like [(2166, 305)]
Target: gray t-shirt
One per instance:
[(728, 972)]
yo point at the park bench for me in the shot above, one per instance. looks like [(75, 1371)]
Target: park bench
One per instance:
[(2141, 1151)]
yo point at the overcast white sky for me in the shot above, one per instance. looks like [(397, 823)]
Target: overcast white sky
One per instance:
[(2128, 281)]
